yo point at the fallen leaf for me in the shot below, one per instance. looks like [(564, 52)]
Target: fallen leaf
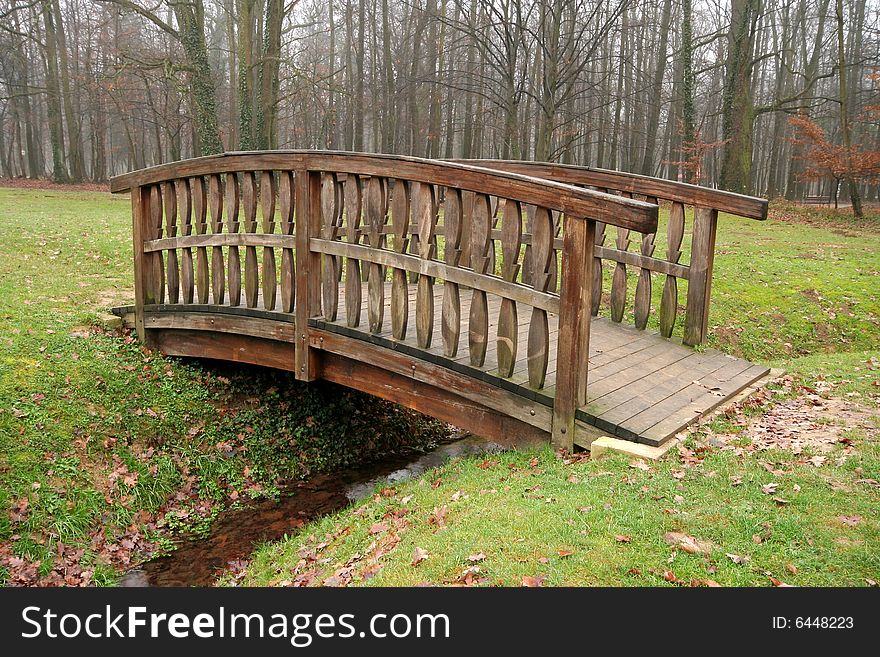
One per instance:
[(533, 581), (378, 528), (620, 538), (479, 556), (852, 521), (770, 488), (791, 568), (639, 464), (687, 543), (419, 556), (669, 576), (711, 583), (564, 553), (779, 583), (738, 559)]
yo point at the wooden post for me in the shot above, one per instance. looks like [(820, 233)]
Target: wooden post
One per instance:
[(573, 351), (145, 284), (700, 278), (308, 269)]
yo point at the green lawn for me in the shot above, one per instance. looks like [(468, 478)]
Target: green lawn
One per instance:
[(108, 452)]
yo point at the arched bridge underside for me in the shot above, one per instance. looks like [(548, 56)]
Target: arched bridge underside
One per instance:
[(493, 295)]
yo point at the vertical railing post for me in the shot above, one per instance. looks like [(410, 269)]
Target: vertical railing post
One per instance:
[(145, 287), (573, 347), (308, 269), (700, 276)]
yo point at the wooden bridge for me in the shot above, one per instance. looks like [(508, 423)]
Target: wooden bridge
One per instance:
[(472, 291)]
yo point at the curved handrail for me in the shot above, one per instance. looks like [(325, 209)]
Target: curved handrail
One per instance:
[(740, 205), (573, 201)]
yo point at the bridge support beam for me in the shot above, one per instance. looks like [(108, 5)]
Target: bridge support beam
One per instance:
[(575, 302), (308, 270), (696, 322)]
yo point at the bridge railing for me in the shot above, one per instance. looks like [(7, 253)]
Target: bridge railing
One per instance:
[(292, 232), (697, 206)]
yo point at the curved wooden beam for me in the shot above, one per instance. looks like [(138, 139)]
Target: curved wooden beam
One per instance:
[(573, 201), (740, 205)]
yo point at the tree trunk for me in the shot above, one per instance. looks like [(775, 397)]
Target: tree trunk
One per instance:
[(845, 129)]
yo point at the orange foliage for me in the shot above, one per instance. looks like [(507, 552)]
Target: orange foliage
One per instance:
[(823, 158)]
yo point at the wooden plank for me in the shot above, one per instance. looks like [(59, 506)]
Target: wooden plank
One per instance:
[(437, 269), (286, 205), (267, 205), (184, 206), (438, 376), (249, 204), (429, 399), (225, 346), (257, 327), (700, 405), (232, 201), (400, 220), (169, 197), (669, 300)]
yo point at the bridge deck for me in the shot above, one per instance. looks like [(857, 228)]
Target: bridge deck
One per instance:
[(641, 386)]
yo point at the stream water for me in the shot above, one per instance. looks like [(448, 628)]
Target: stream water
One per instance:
[(235, 533)]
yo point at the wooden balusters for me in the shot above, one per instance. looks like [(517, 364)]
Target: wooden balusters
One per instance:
[(527, 256), (669, 300), (597, 271), (508, 326), (618, 281), (451, 312), (267, 205), (215, 202), (156, 233), (539, 332), (375, 221), (251, 272), (426, 218), (643, 286), (553, 286), (286, 202), (200, 219), (173, 277), (330, 211), (184, 207), (234, 270), (353, 289), (696, 321), (399, 288), (478, 323)]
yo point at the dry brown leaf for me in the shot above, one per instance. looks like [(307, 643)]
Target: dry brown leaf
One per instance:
[(533, 581), (419, 555)]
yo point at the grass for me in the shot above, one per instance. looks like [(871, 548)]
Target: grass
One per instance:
[(108, 452), (103, 446), (599, 523)]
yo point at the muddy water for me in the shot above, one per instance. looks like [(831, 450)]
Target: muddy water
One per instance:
[(235, 533)]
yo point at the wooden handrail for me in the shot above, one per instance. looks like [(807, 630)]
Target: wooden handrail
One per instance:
[(581, 203), (749, 207)]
